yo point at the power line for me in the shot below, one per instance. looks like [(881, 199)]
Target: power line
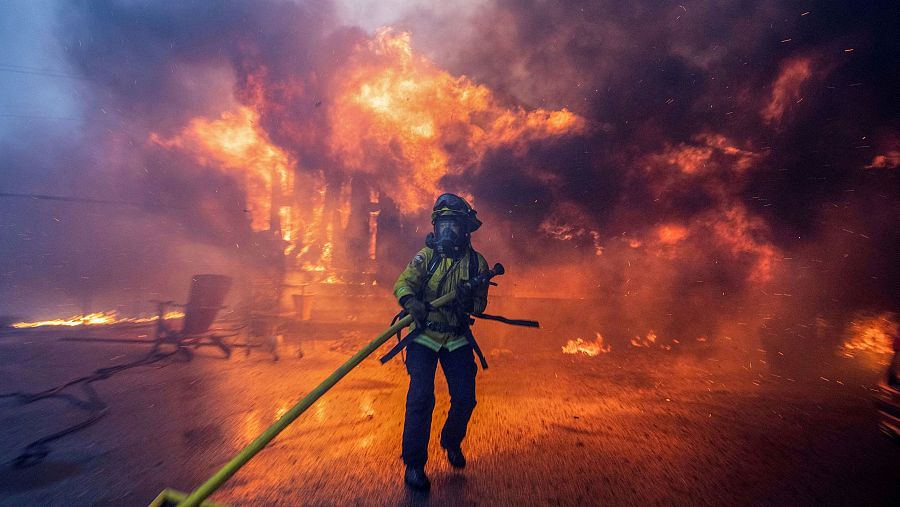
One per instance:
[(36, 117), (48, 74), (66, 198), (21, 69), (45, 197), (26, 67)]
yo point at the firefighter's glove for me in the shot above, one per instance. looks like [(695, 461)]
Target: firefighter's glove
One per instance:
[(417, 308), (465, 297)]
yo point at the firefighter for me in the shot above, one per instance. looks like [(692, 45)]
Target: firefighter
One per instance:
[(443, 334)]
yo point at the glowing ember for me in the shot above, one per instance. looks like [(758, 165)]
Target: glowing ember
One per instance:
[(671, 234), (871, 334), (95, 319), (579, 346), (890, 160), (647, 342)]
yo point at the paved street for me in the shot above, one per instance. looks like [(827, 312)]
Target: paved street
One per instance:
[(632, 427)]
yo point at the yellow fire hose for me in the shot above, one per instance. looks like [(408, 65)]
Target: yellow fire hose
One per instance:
[(171, 497)]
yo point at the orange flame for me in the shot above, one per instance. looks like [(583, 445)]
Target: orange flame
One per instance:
[(396, 105), (94, 319), (394, 114), (579, 346), (236, 144), (647, 342), (872, 334)]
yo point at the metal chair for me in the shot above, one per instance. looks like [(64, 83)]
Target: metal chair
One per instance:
[(205, 299)]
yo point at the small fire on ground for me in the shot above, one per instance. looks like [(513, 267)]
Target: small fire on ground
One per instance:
[(598, 346), (94, 319), (651, 340), (588, 348)]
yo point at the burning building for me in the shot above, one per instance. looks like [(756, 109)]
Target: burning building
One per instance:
[(398, 126), (686, 188), (697, 201)]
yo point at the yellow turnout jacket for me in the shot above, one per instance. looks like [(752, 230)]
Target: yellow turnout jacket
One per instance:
[(452, 272)]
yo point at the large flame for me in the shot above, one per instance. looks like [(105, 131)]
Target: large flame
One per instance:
[(397, 106), (236, 144), (395, 116)]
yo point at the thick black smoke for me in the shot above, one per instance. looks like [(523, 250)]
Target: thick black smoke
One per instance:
[(660, 77), (141, 68), (657, 72)]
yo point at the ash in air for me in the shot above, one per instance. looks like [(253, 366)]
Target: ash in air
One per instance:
[(698, 201), (690, 166)]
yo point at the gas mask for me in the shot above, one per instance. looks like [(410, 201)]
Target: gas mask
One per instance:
[(450, 238)]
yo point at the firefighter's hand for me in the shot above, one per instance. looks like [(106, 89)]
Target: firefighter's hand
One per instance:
[(465, 297), (417, 308)]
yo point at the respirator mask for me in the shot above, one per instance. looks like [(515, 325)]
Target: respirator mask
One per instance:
[(450, 237), (454, 222)]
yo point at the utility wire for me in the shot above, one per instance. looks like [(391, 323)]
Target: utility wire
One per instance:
[(27, 67), (36, 117), (21, 69), (65, 198)]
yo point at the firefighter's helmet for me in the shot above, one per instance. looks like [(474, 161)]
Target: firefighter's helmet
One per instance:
[(454, 206)]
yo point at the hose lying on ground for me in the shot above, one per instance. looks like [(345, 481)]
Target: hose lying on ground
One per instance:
[(36, 451)]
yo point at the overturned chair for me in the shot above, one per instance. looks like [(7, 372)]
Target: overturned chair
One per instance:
[(206, 298)]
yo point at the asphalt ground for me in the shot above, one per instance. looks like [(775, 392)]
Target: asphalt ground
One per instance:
[(631, 427)]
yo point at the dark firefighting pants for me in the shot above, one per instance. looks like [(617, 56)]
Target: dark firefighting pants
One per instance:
[(459, 369)]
